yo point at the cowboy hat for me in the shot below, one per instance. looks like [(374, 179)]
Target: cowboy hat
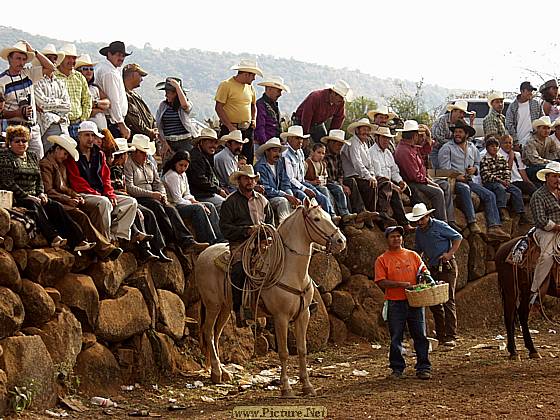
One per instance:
[(461, 105), (342, 88), (50, 49), (467, 128), (364, 122), (165, 85), (69, 50), (544, 120), (248, 65), (142, 142), (89, 126), (550, 168), (384, 132), (409, 125), (246, 170), (84, 60), (17, 47), (114, 47), (209, 134), (384, 110), (275, 82), (67, 143), (294, 131), (493, 96), (556, 123), (335, 135), (548, 84), (235, 136), (272, 143), (418, 211), (122, 146)]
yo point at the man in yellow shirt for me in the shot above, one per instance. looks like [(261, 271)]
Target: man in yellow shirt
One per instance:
[(236, 103)]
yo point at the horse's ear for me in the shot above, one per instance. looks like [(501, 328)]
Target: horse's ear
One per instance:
[(306, 203)]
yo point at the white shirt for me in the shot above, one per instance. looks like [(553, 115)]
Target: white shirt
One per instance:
[(109, 79), (177, 187), (517, 165), (384, 164), (524, 125), (356, 160)]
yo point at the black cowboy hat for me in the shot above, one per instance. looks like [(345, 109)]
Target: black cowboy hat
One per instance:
[(114, 47), (468, 129), (165, 85)]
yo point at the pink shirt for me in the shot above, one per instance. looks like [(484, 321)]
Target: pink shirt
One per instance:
[(410, 162)]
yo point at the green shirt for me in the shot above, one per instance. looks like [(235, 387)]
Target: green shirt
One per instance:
[(80, 99)]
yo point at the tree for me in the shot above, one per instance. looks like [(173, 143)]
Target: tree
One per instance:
[(411, 107), (357, 109)]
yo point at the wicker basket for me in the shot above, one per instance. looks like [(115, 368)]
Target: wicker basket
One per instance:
[(6, 199), (428, 297)]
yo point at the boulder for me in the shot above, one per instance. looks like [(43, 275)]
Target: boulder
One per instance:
[(324, 269), (39, 306), (318, 328), (10, 277), (481, 222), (339, 332), (236, 344), (490, 267), (143, 281), (484, 295), (4, 393), (5, 220), (79, 293), (108, 276), (88, 340), (12, 313), (362, 250), (367, 322), (462, 259), (54, 295), (145, 362), (169, 276), (345, 272), (18, 233), (27, 363), (361, 288), (477, 257), (98, 371), (122, 317), (342, 304), (46, 265), (170, 358), (171, 315), (327, 299), (460, 218), (20, 257)]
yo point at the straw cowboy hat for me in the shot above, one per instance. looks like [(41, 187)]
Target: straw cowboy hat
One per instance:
[(271, 144), (418, 211), (384, 132), (364, 122), (17, 47), (122, 146), (248, 65), (461, 124), (69, 50), (335, 135), (544, 120), (342, 88), (294, 131), (67, 143), (84, 60), (556, 123), (275, 82), (89, 126), (114, 47), (550, 168), (235, 136), (409, 125), (384, 110), (493, 96), (246, 170), (209, 134), (142, 142), (50, 49), (461, 105)]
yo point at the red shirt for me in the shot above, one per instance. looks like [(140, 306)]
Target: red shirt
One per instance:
[(80, 185), (410, 162), (316, 109)]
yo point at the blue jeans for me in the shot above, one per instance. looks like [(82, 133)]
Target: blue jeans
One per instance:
[(463, 190), (339, 198), (206, 226), (323, 200), (399, 315), (501, 199), (73, 130)]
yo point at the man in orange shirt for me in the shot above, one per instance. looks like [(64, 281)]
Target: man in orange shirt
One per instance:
[(395, 270)]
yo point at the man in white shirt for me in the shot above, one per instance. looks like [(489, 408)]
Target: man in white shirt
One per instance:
[(225, 161), (520, 115), (108, 76), (519, 176)]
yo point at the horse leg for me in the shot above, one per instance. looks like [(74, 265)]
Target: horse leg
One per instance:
[(510, 310), (223, 317), (210, 337), (281, 327), (301, 324), (524, 322)]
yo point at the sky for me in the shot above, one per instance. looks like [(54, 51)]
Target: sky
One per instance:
[(473, 45)]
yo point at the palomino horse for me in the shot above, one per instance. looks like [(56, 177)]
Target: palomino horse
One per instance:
[(515, 285), (288, 300)]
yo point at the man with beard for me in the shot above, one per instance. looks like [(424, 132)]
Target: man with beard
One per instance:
[(268, 113), (225, 161), (494, 123)]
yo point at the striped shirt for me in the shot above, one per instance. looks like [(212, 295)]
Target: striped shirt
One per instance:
[(80, 98), (171, 123), (18, 88), (53, 101)]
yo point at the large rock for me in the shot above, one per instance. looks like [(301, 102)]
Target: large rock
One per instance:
[(367, 322), (123, 317), (477, 257), (462, 259), (169, 276), (170, 358), (4, 393), (339, 332), (342, 304), (5, 220), (39, 306), (484, 295), (20, 257), (172, 316), (318, 328), (108, 276), (145, 362), (27, 362), (236, 344), (361, 288), (143, 281), (324, 269), (18, 233), (9, 274), (12, 313), (79, 293), (98, 371), (362, 250), (45, 266)]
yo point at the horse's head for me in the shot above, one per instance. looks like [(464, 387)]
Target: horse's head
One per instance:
[(320, 227)]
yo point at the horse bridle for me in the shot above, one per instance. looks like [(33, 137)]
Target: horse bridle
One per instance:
[(310, 225)]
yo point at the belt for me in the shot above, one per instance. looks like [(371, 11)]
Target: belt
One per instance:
[(243, 125), (27, 124), (180, 137)]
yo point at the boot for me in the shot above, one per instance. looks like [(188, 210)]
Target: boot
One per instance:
[(161, 257), (349, 218), (474, 228), (194, 247), (504, 215), (496, 233)]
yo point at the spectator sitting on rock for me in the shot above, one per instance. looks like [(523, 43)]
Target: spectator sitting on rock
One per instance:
[(519, 176), (380, 117), (540, 149)]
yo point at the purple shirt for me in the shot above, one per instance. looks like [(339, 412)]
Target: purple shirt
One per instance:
[(268, 120)]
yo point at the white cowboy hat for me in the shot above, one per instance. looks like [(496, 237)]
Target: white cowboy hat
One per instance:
[(342, 88), (335, 135), (207, 133), (409, 125), (248, 65), (294, 131), (142, 142), (246, 170), (271, 144), (494, 95), (84, 60), (17, 47), (550, 168), (50, 49), (235, 136), (69, 49), (89, 126), (384, 110), (418, 211), (67, 143), (275, 82), (384, 131), (556, 123), (122, 146), (461, 105), (364, 122), (544, 120)]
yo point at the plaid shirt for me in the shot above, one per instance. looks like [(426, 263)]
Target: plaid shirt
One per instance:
[(545, 208), (80, 98), (334, 168), (511, 116), (494, 169), (441, 131), (540, 152), (494, 123)]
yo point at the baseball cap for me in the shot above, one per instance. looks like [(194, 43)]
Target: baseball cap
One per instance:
[(89, 126), (392, 229), (131, 68), (527, 86)]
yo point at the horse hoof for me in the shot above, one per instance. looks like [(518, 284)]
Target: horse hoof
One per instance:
[(216, 377), (535, 355), (515, 357), (226, 376), (287, 393), (309, 392)]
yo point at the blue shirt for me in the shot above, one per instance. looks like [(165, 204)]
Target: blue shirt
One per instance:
[(435, 240)]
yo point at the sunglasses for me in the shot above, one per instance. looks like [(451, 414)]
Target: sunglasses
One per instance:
[(18, 141), (85, 68)]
